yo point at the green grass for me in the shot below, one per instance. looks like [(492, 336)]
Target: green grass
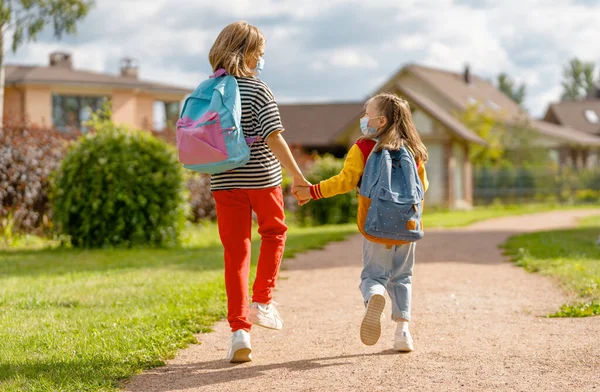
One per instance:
[(447, 219), (571, 256), (82, 320)]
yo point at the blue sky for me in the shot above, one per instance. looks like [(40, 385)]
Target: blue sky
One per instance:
[(338, 50)]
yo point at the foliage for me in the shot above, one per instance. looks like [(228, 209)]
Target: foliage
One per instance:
[(201, 202), (484, 124), (27, 18), (334, 210), (119, 187), (515, 141), (28, 154), (510, 89), (578, 79)]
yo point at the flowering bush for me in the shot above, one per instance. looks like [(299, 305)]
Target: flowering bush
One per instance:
[(28, 154)]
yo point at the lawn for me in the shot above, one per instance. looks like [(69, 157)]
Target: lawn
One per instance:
[(81, 320), (570, 256), (464, 218)]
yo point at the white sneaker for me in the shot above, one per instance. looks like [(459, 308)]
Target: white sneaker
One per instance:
[(370, 328), (239, 347), (403, 341), (265, 315)]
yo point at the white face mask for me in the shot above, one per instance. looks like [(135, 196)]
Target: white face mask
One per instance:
[(365, 128), (260, 65)]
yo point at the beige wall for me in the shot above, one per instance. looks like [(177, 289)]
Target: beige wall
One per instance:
[(13, 104), (124, 108), (38, 105), (145, 111)]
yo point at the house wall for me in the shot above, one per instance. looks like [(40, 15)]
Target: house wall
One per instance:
[(13, 104), (34, 103), (124, 108), (435, 195), (145, 111), (37, 105)]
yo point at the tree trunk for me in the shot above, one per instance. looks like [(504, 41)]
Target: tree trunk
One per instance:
[(1, 76)]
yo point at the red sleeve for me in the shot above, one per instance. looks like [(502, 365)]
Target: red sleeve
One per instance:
[(366, 146)]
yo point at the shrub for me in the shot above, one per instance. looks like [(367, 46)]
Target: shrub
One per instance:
[(338, 209), (201, 202), (119, 187), (28, 154)]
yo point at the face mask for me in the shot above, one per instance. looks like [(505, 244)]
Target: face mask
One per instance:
[(260, 65), (365, 128)]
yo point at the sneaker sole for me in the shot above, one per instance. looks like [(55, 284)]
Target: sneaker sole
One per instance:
[(370, 328), (242, 355)]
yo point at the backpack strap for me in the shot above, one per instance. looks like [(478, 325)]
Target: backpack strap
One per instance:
[(220, 72)]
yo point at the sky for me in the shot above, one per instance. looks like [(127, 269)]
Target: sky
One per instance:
[(339, 50)]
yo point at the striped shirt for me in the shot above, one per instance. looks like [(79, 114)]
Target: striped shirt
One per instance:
[(260, 118)]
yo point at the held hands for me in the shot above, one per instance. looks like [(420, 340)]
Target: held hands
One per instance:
[(301, 190)]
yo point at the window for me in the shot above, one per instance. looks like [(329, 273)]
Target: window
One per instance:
[(492, 105), (591, 116), (70, 112), (166, 114)]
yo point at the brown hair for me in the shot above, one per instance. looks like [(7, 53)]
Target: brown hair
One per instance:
[(399, 128), (233, 46)]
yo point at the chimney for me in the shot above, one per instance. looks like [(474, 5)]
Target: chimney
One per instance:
[(61, 60), (467, 74), (129, 68)]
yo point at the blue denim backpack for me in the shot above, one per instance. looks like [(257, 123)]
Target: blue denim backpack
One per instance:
[(391, 182)]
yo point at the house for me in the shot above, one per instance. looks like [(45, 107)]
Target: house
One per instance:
[(63, 97), (435, 96), (581, 115)]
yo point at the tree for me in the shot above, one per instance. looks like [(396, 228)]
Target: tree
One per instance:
[(27, 18), (578, 79), (509, 88), (489, 129)]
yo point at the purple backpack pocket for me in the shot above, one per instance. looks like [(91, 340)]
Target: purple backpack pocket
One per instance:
[(201, 142)]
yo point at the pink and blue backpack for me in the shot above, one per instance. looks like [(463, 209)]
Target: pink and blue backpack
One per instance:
[(209, 132)]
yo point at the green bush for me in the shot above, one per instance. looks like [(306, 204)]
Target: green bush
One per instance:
[(334, 210), (119, 187)]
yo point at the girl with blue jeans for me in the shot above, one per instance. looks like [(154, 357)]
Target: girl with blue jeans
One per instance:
[(388, 267)]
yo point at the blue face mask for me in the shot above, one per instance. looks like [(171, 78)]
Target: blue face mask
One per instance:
[(260, 65), (365, 128)]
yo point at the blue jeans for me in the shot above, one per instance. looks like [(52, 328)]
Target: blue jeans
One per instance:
[(389, 269)]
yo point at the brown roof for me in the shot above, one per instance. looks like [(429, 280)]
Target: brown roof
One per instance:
[(452, 85), (317, 124), (451, 122), (19, 74), (462, 94), (567, 134), (572, 114)]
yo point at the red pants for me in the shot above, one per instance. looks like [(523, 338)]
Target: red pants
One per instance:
[(234, 216)]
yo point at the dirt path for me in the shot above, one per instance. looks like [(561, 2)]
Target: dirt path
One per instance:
[(475, 322)]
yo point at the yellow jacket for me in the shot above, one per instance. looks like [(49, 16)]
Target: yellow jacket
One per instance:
[(349, 179)]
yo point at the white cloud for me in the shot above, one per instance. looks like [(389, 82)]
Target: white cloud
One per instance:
[(355, 42)]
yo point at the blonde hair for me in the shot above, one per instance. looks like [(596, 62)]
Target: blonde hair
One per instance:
[(399, 128), (233, 46)]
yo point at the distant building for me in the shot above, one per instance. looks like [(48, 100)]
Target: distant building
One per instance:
[(60, 96)]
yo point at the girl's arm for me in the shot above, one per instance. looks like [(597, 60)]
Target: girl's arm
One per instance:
[(344, 182), (280, 148)]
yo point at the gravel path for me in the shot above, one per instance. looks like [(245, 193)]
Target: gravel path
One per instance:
[(476, 325)]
